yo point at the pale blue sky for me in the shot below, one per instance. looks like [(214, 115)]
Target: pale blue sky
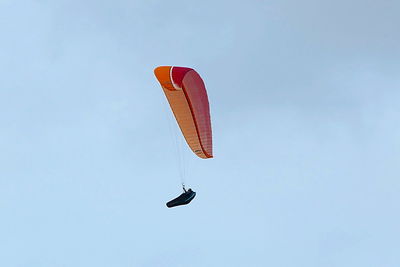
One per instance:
[(306, 120)]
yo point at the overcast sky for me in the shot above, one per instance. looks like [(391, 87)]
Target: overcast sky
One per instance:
[(305, 109)]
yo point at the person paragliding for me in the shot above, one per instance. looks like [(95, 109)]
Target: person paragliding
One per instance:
[(183, 199), (187, 97)]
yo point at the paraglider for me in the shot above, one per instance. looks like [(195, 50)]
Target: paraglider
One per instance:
[(183, 199), (187, 97)]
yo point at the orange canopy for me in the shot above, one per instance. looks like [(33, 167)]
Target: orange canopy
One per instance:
[(187, 96)]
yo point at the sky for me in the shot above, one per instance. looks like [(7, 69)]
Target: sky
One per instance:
[(304, 99)]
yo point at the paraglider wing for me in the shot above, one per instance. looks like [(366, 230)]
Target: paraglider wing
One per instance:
[(187, 97)]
